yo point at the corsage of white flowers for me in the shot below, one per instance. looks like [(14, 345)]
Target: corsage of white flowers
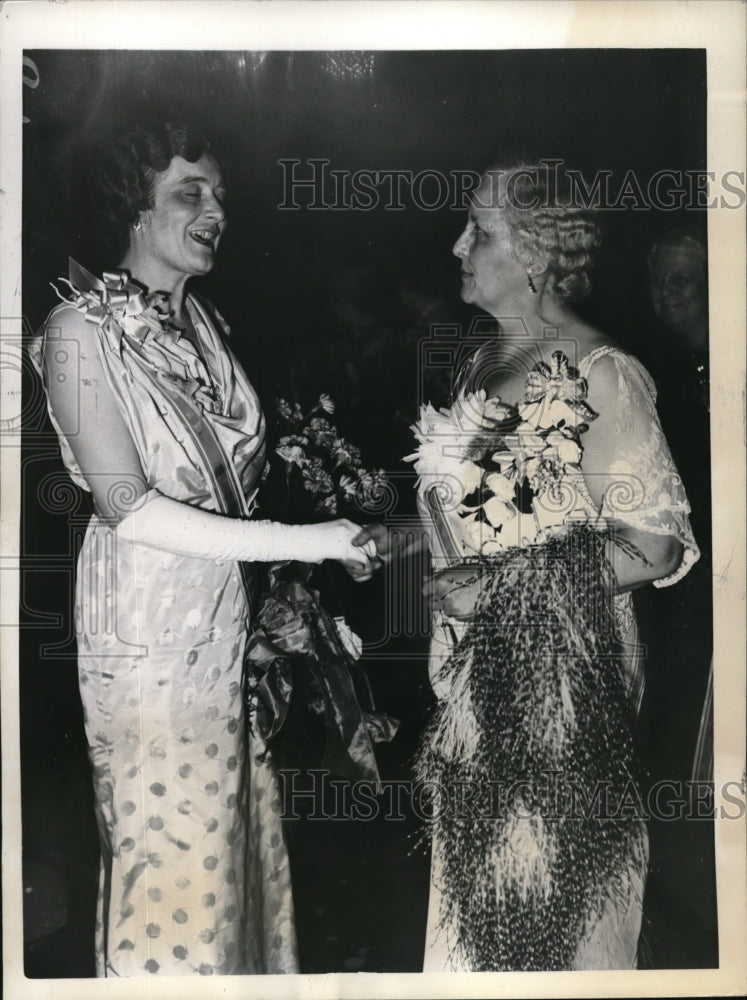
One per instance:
[(496, 463)]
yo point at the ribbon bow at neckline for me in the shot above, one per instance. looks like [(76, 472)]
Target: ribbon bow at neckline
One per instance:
[(115, 292)]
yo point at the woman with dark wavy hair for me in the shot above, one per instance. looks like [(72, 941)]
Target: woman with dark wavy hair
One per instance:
[(157, 420), (548, 494)]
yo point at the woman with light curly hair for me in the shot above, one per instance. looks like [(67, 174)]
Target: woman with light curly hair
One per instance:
[(548, 494)]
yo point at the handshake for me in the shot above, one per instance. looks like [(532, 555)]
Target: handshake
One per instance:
[(454, 591), (371, 548), (360, 550)]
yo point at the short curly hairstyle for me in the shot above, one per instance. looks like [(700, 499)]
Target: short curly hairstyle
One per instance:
[(549, 230), (125, 173)]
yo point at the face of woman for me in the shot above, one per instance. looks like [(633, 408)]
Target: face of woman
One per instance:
[(181, 233), (492, 275), (678, 289)]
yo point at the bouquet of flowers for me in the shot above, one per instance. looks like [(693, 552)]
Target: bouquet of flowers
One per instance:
[(324, 475), (516, 470), (304, 671)]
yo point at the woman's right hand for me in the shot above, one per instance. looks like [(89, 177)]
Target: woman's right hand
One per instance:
[(390, 544), (335, 539)]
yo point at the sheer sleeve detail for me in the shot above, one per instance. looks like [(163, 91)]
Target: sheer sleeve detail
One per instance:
[(647, 492)]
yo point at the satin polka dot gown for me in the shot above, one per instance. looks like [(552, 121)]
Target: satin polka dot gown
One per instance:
[(194, 874)]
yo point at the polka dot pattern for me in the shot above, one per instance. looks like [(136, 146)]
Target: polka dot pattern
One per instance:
[(183, 797), (192, 836)]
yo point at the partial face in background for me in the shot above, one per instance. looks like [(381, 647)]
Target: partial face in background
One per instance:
[(679, 292), (183, 229)]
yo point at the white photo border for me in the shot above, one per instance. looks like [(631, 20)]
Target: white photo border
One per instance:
[(715, 25)]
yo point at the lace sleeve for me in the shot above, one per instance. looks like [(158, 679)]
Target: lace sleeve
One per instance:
[(647, 492)]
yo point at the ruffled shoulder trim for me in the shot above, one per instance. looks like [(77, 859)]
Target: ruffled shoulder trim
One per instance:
[(116, 297)]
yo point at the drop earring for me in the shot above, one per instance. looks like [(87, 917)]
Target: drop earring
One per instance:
[(138, 226), (530, 282)]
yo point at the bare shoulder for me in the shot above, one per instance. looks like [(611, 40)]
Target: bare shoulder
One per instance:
[(602, 374), (602, 383), (68, 323), (70, 356)]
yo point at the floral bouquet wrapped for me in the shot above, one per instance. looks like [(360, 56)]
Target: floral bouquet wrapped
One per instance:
[(514, 472), (305, 678)]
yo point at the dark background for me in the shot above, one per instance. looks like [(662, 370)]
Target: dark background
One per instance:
[(335, 301)]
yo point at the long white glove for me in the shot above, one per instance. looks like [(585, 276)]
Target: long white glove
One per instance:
[(164, 523)]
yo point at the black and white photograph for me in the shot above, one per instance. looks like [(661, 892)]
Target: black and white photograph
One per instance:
[(372, 439)]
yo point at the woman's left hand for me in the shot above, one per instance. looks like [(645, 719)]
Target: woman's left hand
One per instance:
[(455, 591)]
